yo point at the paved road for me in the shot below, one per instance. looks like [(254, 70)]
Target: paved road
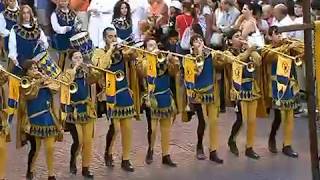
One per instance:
[(269, 167)]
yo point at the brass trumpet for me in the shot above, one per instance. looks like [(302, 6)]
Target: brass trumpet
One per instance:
[(249, 66), (26, 83)]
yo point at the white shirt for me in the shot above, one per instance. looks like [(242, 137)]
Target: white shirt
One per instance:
[(99, 22), (56, 26), (286, 21), (299, 34), (3, 31), (13, 42), (225, 19)]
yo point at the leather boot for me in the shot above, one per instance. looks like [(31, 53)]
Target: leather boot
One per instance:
[(272, 144), (288, 151), (251, 154), (108, 160), (149, 156), (214, 157), (127, 166), (167, 161), (51, 178), (233, 147), (86, 173)]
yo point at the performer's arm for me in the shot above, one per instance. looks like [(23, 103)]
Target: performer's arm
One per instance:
[(56, 26), (3, 31), (13, 47), (44, 40)]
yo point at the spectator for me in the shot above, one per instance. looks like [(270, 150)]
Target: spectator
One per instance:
[(175, 10), (267, 13), (159, 9), (186, 19), (206, 17), (262, 24), (281, 18), (100, 18), (226, 16), (138, 13), (298, 19), (249, 23), (122, 20), (81, 6)]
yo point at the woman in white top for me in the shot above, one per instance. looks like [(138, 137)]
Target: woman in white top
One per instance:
[(26, 39)]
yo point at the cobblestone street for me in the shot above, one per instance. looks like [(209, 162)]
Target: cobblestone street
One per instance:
[(183, 143)]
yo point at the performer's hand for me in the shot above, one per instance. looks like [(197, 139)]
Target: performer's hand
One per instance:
[(15, 62), (68, 28)]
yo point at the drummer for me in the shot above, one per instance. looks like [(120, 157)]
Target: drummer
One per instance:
[(26, 40), (64, 22)]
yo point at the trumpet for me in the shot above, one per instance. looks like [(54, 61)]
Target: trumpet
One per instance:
[(26, 83), (119, 74), (249, 66)]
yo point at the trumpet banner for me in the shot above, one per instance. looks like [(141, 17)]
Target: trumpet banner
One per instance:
[(283, 73), (189, 70), (151, 70), (65, 94), (13, 97), (237, 70), (317, 58), (110, 89)]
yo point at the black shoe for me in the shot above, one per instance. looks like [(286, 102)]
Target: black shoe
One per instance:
[(127, 166), (108, 160), (73, 168), (149, 156), (214, 157), (167, 161), (272, 144), (29, 176), (51, 178), (251, 154), (288, 151), (233, 147), (86, 173), (200, 154)]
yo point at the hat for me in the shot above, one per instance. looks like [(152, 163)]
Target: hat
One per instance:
[(176, 4)]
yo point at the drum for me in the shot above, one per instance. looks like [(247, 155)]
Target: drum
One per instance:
[(47, 65), (83, 43)]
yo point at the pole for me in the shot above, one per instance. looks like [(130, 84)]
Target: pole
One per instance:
[(311, 92)]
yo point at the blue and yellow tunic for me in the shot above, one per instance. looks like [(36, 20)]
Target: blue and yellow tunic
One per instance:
[(123, 27), (123, 106), (81, 110), (27, 43), (61, 42), (41, 118), (203, 88), (164, 106), (11, 18), (286, 99), (249, 89)]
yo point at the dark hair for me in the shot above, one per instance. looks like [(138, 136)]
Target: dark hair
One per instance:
[(196, 28), (254, 7), (71, 53), (195, 37), (227, 37), (106, 30), (117, 10), (273, 29), (190, 7), (290, 6), (27, 64)]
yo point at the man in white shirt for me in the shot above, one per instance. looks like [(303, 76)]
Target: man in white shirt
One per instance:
[(100, 17), (281, 18)]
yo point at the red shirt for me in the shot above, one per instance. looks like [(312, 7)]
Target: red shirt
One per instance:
[(182, 22)]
